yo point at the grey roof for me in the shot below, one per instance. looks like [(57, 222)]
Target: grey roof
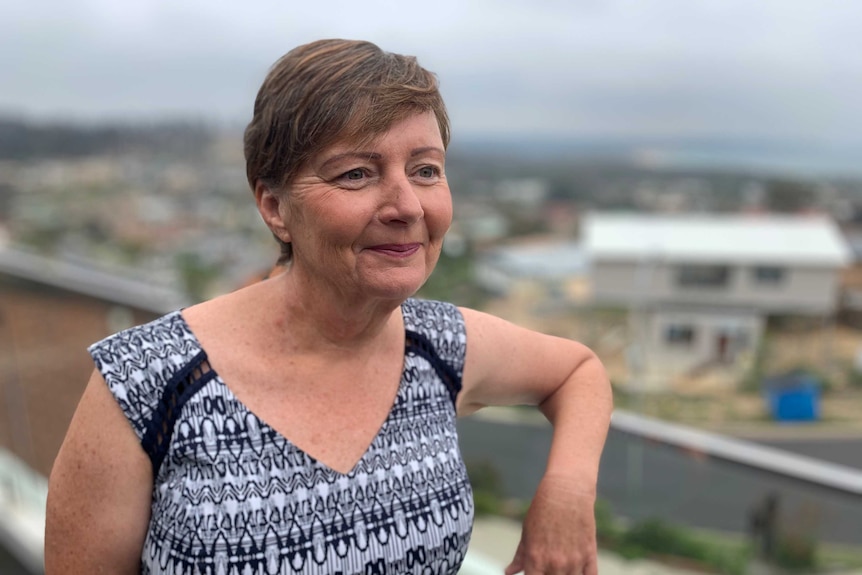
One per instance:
[(541, 260), (89, 280), (793, 240)]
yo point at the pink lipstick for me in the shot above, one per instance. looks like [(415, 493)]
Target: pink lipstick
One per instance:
[(397, 250)]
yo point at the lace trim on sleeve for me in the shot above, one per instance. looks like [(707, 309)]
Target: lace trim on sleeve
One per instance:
[(422, 346), (181, 387)]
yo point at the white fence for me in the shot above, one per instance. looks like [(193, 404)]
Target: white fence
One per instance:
[(23, 493)]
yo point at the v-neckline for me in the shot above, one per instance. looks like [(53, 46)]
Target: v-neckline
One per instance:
[(281, 437)]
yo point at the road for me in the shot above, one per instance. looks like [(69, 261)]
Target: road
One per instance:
[(642, 480)]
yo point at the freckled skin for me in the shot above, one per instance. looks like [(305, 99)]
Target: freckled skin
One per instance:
[(99, 492)]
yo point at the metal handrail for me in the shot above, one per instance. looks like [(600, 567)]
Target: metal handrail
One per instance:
[(807, 469), (23, 494)]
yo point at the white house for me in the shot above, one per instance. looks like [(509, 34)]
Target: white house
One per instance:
[(554, 271), (703, 285)]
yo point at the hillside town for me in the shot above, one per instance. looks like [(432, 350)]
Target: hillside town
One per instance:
[(692, 284), (707, 293)]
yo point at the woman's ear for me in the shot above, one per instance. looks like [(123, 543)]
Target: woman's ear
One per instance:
[(269, 204)]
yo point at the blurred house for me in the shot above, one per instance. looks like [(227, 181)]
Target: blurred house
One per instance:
[(701, 286), (479, 224), (851, 281), (50, 311), (545, 272)]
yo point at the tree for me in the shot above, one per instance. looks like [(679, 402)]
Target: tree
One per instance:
[(789, 196)]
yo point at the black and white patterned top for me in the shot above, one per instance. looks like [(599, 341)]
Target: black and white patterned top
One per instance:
[(233, 496)]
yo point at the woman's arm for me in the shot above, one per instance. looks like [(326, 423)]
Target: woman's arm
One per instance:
[(99, 492), (510, 365)]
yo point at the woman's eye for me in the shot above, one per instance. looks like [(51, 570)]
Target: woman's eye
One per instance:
[(427, 172), (355, 174)]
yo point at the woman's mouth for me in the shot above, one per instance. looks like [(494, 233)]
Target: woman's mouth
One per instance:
[(396, 250)]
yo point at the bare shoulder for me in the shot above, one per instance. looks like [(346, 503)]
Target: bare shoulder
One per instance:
[(219, 307), (99, 491), (230, 310)]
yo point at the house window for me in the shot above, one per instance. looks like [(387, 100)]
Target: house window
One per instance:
[(703, 276), (679, 335), (768, 275)]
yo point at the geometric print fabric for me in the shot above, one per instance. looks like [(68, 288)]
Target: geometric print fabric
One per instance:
[(233, 496)]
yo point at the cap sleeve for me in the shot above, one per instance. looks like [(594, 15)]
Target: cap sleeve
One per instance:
[(442, 325), (138, 362)]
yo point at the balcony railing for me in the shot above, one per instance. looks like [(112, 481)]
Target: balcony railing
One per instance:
[(23, 493)]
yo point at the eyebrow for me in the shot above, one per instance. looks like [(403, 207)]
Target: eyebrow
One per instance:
[(420, 151), (376, 156), (348, 155)]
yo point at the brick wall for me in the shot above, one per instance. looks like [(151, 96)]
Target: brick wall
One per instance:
[(44, 364)]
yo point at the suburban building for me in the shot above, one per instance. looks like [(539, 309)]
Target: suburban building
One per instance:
[(548, 271), (700, 287)]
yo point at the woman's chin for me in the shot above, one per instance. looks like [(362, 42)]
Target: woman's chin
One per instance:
[(396, 287)]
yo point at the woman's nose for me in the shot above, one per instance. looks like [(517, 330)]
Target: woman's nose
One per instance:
[(401, 202)]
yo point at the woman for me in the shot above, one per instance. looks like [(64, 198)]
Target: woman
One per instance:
[(306, 424)]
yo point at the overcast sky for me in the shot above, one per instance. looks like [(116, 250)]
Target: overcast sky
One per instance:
[(787, 69)]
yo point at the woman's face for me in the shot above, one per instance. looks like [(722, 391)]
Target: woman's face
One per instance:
[(370, 222)]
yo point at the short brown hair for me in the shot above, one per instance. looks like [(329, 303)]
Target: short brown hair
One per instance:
[(326, 91)]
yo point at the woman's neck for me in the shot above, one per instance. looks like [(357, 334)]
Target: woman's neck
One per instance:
[(310, 317)]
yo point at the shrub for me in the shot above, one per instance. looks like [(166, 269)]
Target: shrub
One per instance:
[(656, 538), (607, 530), (485, 503), (487, 487), (854, 377), (796, 553)]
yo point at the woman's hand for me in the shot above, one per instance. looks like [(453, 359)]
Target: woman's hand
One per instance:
[(559, 531)]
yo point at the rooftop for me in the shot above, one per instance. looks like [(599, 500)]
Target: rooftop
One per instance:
[(542, 260), (88, 280), (796, 240)]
